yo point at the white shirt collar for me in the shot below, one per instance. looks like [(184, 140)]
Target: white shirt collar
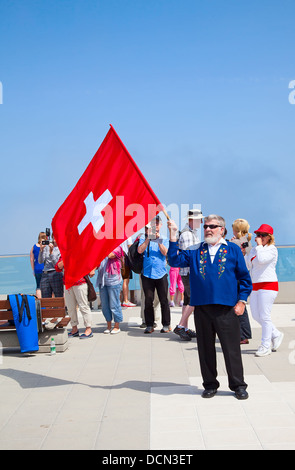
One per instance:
[(214, 248)]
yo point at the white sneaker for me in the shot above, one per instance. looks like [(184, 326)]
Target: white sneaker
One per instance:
[(128, 304), (107, 331), (276, 342), (263, 351)]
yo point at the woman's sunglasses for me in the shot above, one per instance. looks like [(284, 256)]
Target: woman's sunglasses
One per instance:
[(261, 234)]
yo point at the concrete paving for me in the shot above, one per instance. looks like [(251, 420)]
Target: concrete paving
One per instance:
[(133, 391)]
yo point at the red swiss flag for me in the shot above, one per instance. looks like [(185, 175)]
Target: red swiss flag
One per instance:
[(111, 201)]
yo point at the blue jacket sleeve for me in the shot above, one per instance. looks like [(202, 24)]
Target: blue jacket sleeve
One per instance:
[(244, 278), (178, 258)]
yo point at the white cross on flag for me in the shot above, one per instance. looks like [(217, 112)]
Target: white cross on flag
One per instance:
[(111, 201)]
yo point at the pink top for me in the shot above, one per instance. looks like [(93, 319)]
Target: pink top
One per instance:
[(109, 271)]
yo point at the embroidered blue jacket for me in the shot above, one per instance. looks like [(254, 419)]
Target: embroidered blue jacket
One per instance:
[(224, 282)]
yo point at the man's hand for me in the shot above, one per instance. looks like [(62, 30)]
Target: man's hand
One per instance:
[(239, 308), (173, 229)]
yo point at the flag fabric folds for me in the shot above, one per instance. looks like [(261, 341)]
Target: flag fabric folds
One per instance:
[(111, 201)]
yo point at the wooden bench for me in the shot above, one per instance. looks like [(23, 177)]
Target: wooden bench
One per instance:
[(51, 308)]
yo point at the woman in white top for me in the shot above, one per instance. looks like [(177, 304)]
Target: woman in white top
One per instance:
[(261, 262)]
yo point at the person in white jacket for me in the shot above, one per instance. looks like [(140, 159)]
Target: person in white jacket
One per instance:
[(261, 262)]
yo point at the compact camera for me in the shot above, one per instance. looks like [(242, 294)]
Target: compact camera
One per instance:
[(245, 245), (47, 232)]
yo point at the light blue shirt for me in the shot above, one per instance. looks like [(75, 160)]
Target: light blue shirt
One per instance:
[(154, 263)]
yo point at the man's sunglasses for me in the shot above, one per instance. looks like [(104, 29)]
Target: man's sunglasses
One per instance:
[(212, 226), (261, 234)]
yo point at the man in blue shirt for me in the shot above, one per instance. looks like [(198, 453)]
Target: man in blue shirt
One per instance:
[(154, 275), (220, 285)]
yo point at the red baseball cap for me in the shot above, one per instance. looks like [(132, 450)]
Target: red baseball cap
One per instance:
[(264, 228)]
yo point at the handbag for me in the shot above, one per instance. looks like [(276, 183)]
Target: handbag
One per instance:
[(91, 291), (24, 314)]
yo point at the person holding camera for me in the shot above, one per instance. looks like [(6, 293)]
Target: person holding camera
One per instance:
[(36, 267), (242, 238), (261, 262), (154, 275), (51, 280)]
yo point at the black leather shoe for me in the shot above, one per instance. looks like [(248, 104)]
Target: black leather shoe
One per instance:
[(209, 393), (241, 394)]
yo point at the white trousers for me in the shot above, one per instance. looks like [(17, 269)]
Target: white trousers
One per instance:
[(261, 302), (76, 297)]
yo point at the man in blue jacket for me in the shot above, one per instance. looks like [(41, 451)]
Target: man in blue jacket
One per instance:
[(220, 285)]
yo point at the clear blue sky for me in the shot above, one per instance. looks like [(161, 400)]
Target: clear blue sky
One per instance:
[(196, 89)]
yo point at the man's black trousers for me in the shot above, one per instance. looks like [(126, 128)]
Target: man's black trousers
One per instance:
[(220, 320), (149, 286)]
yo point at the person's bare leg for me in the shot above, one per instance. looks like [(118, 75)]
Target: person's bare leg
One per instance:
[(187, 310)]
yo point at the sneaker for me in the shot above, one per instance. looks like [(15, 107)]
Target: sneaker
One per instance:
[(262, 351), (128, 304), (276, 342), (148, 330), (107, 331), (166, 329), (181, 303), (191, 333), (171, 304), (183, 335), (177, 330)]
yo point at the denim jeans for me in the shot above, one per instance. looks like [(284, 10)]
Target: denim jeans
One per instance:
[(110, 302)]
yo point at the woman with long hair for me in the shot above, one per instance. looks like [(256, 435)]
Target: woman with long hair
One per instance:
[(242, 237)]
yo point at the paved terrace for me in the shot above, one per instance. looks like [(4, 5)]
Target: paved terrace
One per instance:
[(134, 391)]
